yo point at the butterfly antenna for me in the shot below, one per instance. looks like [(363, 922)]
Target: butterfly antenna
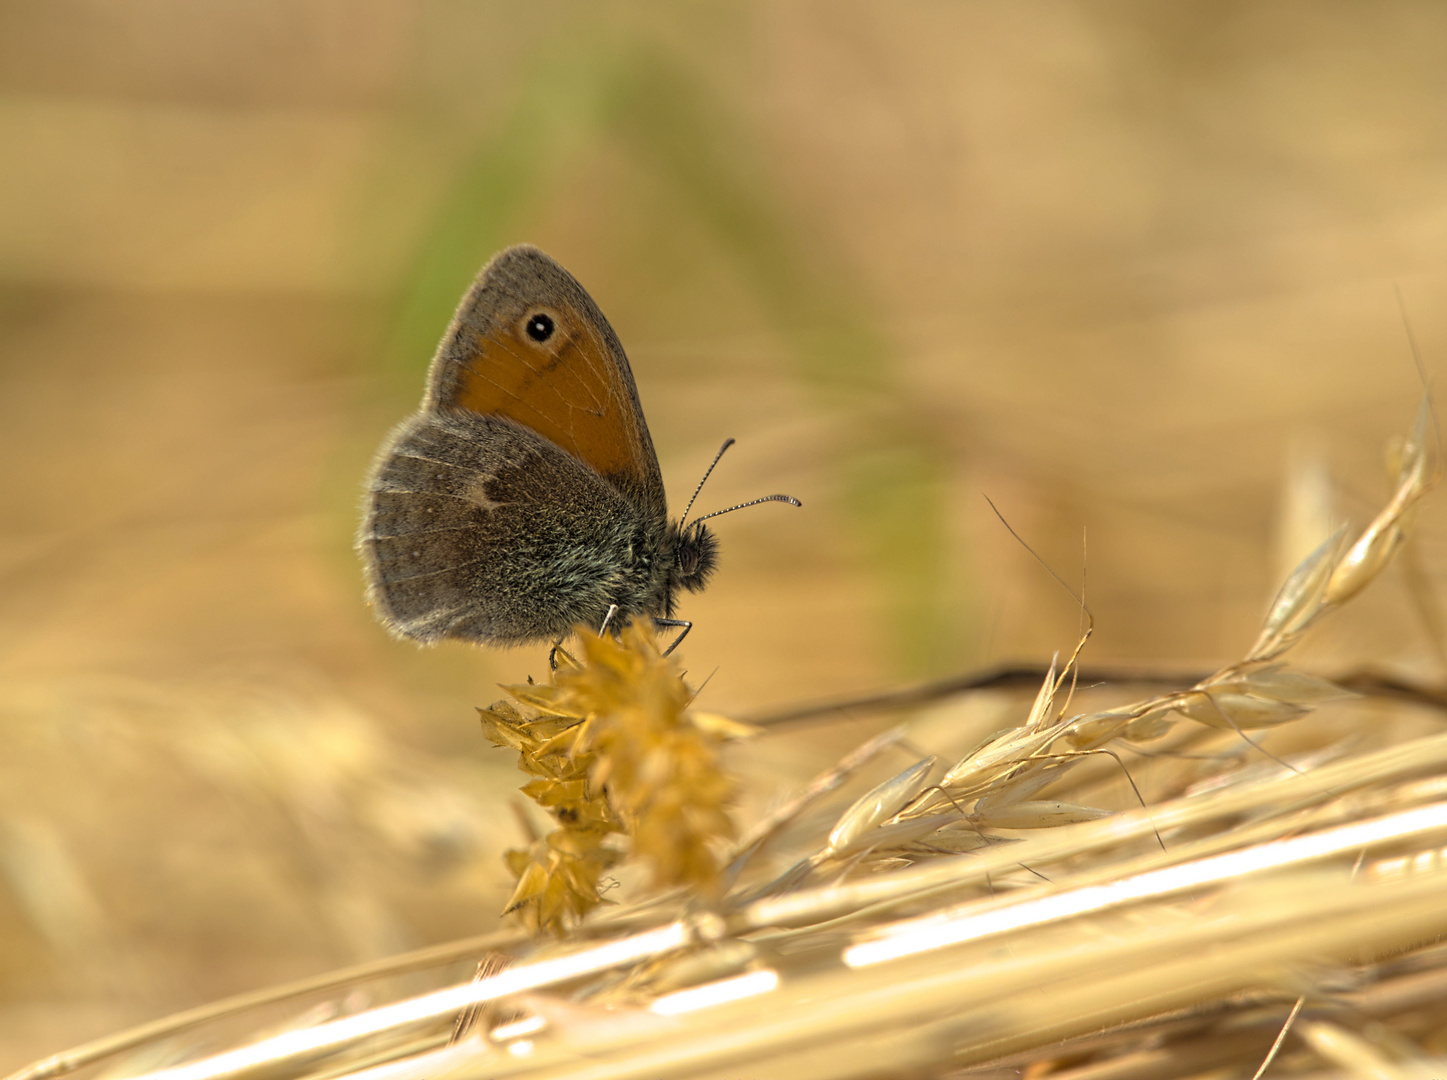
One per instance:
[(755, 502), (706, 475)]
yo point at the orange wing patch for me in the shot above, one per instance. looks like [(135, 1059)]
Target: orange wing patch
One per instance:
[(570, 392)]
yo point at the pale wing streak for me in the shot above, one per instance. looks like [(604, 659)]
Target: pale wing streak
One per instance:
[(430, 573), (416, 456), (435, 494), (435, 616), (424, 532)]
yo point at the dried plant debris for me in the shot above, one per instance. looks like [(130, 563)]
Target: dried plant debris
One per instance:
[(614, 751), (1279, 912), (994, 786)]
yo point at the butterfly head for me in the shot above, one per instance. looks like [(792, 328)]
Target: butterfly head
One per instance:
[(695, 557)]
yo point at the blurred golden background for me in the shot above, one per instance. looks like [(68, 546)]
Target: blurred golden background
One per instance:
[(1128, 269)]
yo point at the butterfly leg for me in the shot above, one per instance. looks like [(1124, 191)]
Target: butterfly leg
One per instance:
[(553, 652), (683, 633)]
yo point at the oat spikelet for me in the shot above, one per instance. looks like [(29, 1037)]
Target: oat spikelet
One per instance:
[(993, 785)]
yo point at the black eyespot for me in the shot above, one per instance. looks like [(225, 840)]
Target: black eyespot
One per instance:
[(540, 327)]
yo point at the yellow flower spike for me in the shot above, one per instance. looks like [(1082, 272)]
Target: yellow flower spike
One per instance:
[(532, 882), (561, 745), (541, 697), (517, 861), (505, 734), (553, 793), (612, 749)]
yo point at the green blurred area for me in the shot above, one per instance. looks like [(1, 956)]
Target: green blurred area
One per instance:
[(1127, 269), (583, 96)]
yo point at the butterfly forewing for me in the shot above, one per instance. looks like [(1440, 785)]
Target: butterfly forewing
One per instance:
[(575, 388)]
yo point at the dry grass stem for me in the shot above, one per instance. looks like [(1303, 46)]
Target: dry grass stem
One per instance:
[(1251, 908)]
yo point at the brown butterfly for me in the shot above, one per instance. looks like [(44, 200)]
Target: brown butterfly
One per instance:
[(524, 498)]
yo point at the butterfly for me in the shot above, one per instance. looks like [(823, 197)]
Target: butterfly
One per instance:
[(524, 497)]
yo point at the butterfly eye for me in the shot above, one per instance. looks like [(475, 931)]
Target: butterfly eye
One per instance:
[(540, 327)]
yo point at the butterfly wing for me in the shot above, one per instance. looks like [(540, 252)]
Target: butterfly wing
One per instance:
[(479, 529), (572, 386), (525, 496)]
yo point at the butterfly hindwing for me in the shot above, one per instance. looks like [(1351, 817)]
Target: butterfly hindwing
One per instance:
[(478, 528)]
